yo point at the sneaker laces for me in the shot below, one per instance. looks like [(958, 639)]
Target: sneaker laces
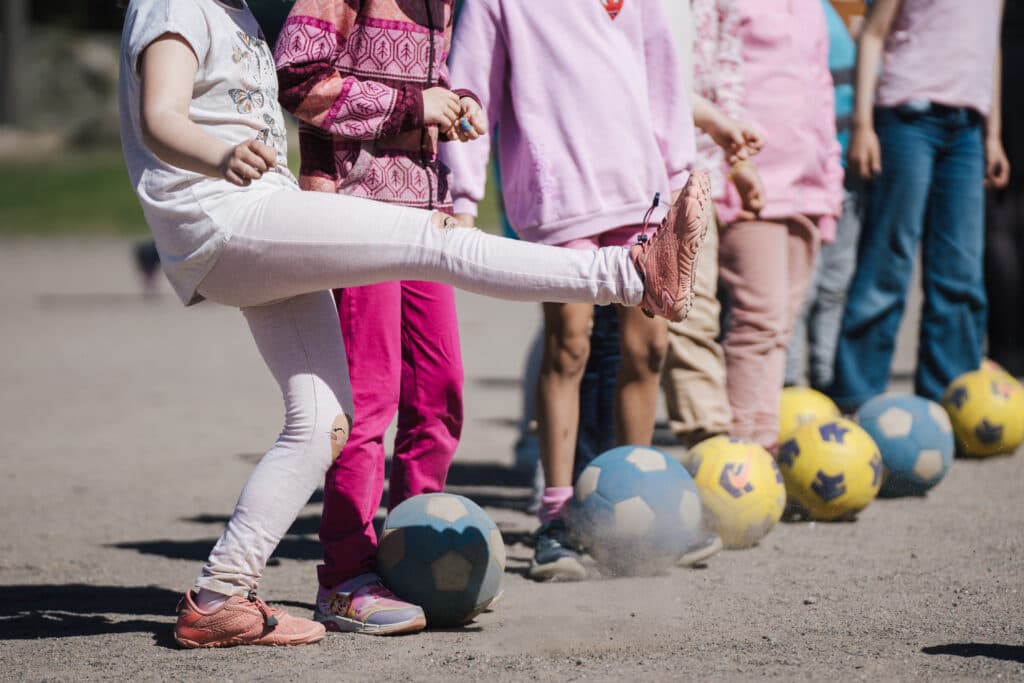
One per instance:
[(269, 618), (642, 238)]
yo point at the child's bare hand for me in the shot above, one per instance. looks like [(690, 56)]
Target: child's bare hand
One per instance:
[(441, 108), (472, 122), (248, 162), (997, 166), (738, 139), (748, 183), (865, 152)]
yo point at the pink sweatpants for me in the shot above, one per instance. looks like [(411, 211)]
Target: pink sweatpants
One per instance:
[(766, 266), (402, 345)]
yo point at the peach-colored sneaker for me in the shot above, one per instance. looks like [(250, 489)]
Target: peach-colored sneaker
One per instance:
[(242, 621), (667, 260)]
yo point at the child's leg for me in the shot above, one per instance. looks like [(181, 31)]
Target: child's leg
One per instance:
[(289, 243), (300, 342), (800, 331), (954, 310), (753, 267), (430, 407), (801, 257), (693, 378), (371, 320), (596, 432), (838, 261), (644, 343), (893, 223), (566, 348)]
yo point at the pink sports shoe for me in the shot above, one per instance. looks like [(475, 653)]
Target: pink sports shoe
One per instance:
[(365, 605), (667, 261), (242, 621)]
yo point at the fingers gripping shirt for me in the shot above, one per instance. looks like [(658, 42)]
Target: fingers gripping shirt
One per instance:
[(234, 99)]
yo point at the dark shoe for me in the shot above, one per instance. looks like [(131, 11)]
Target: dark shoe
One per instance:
[(554, 558)]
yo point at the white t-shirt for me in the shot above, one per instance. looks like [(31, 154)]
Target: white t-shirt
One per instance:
[(234, 99)]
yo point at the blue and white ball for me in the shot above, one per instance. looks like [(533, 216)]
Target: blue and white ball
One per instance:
[(915, 438), (635, 510), (442, 552)]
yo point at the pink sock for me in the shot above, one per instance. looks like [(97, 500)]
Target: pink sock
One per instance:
[(552, 503)]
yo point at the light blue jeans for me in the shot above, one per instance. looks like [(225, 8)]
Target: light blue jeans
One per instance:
[(816, 329), (929, 193)]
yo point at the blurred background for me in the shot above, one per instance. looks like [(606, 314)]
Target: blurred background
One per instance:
[(61, 171)]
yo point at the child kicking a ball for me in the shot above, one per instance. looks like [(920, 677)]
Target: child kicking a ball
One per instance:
[(203, 140), (594, 118)]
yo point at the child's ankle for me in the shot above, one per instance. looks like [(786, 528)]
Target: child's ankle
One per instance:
[(210, 601), (553, 502)]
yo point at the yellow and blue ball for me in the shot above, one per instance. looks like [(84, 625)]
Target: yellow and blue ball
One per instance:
[(915, 438), (741, 488), (832, 468), (800, 405), (635, 510), (987, 411), (442, 552)]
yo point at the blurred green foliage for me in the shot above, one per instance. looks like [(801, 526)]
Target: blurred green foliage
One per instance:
[(91, 195), (81, 195)]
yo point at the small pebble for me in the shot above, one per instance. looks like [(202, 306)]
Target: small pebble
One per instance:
[(810, 601)]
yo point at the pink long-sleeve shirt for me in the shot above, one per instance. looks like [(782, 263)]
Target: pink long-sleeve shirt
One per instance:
[(789, 97), (591, 107)]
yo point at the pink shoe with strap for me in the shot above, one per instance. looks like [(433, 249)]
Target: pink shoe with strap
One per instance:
[(242, 620), (667, 260), (365, 605)]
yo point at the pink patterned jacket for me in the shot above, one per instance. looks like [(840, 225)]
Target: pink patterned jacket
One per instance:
[(353, 72)]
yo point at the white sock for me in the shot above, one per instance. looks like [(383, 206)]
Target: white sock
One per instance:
[(210, 601)]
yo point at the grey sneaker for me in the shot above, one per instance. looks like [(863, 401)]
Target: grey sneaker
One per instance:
[(701, 549), (554, 558)]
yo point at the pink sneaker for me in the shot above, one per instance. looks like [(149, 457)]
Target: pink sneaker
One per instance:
[(365, 605), (667, 261), (242, 621)]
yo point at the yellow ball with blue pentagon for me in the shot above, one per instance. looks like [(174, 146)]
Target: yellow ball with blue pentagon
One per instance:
[(986, 408), (832, 468), (800, 405), (740, 487)]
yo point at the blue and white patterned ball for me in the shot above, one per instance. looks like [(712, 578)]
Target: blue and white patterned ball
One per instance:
[(915, 439), (635, 510), (442, 552)]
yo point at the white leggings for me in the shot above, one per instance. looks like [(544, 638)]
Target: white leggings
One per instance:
[(288, 249)]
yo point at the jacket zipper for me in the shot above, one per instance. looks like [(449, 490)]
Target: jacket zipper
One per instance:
[(424, 135)]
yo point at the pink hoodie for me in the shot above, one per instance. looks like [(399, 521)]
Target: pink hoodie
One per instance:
[(789, 97), (592, 108)]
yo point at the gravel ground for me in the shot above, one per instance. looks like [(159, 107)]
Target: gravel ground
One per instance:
[(130, 423)]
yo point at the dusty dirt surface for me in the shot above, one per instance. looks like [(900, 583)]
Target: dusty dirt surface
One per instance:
[(129, 425)]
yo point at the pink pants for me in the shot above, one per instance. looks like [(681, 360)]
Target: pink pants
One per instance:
[(402, 345), (766, 266)]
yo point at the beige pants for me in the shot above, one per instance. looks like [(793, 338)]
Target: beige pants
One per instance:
[(693, 376)]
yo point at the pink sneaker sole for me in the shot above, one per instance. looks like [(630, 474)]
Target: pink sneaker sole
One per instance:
[(668, 261), (411, 626)]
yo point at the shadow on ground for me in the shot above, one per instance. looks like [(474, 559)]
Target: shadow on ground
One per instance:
[(290, 548), (28, 612), (1009, 653), (507, 488)]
